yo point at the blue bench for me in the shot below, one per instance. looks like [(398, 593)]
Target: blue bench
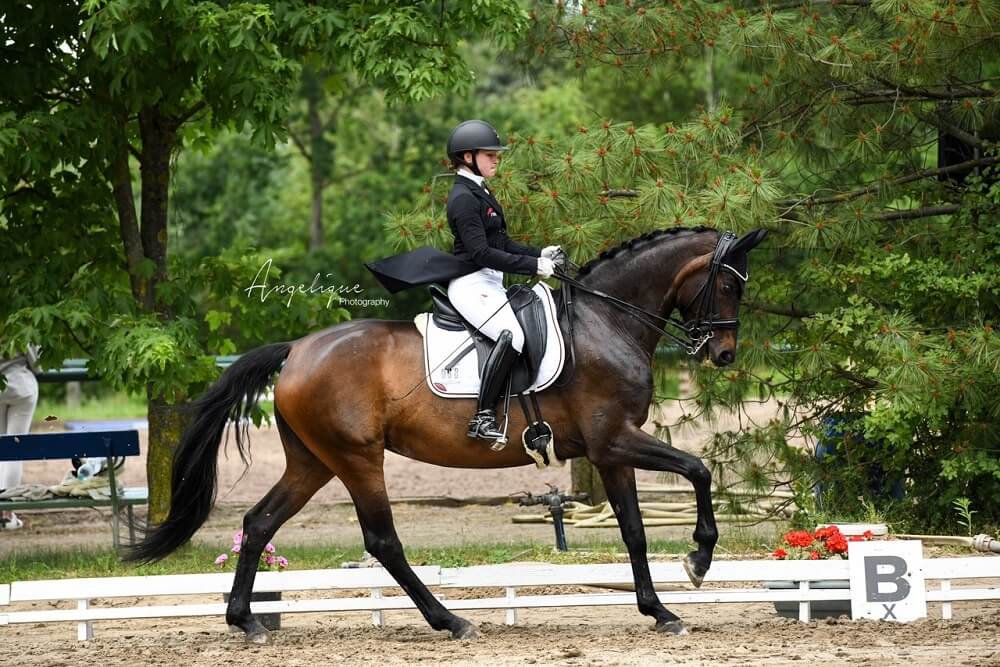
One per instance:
[(87, 444)]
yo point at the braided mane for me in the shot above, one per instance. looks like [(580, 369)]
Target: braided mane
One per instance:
[(637, 243)]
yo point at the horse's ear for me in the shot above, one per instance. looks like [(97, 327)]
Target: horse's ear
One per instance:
[(747, 242)]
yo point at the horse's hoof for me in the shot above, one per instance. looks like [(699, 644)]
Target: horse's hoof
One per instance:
[(466, 631), (672, 628), (259, 636), (692, 571)]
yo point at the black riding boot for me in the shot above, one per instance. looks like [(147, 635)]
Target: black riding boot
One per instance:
[(495, 371)]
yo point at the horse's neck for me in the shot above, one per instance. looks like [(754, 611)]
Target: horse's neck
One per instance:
[(644, 278)]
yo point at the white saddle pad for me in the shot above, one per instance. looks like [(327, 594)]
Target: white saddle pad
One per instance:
[(462, 381)]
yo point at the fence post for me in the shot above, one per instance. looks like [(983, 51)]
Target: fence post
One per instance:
[(511, 611), (84, 629), (805, 606), (377, 618)]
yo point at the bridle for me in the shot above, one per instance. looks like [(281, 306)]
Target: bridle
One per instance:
[(698, 331)]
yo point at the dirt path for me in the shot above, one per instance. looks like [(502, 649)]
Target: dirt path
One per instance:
[(720, 635)]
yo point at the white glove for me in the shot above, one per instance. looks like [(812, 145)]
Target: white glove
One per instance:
[(550, 251), (546, 267)]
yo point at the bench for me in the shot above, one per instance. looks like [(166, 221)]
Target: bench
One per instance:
[(87, 444)]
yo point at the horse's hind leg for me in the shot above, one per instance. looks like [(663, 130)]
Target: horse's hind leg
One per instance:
[(366, 484), (304, 475), (619, 482)]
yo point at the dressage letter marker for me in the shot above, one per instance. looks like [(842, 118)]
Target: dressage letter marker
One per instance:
[(887, 580)]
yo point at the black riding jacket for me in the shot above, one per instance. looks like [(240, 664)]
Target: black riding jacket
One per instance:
[(476, 219)]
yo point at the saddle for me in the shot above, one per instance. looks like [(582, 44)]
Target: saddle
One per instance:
[(529, 310), (452, 371)]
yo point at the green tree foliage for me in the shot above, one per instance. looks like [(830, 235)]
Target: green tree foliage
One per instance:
[(93, 89), (864, 136)]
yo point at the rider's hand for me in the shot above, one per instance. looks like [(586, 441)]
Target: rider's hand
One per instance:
[(551, 251), (546, 267)]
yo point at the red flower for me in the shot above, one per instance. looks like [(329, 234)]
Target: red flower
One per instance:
[(799, 538), (867, 535), (855, 538), (826, 532), (836, 544), (813, 555), (780, 553)]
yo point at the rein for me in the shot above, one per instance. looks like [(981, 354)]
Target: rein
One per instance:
[(699, 330)]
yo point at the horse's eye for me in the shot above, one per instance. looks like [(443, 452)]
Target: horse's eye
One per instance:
[(727, 288)]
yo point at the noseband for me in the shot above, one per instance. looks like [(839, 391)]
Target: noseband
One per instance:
[(699, 330)]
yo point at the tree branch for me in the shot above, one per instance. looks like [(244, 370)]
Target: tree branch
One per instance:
[(128, 221), (297, 140), (855, 378), (785, 311), (953, 130), (915, 213), (874, 187), (798, 4), (186, 115)]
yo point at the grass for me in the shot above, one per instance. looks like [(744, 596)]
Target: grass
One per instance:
[(113, 406), (77, 562)]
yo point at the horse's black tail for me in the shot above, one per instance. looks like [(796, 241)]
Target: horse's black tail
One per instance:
[(195, 464)]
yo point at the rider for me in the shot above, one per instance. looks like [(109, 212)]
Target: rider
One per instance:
[(476, 219)]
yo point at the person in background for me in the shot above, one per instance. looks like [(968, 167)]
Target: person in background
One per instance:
[(17, 406)]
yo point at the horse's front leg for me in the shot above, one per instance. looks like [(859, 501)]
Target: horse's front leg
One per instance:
[(637, 449), (619, 482)]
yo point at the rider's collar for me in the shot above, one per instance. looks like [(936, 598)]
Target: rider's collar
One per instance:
[(467, 173)]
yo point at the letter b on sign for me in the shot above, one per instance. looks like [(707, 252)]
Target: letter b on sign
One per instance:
[(887, 580)]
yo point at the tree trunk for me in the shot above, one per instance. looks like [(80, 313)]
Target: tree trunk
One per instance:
[(316, 239), (166, 422), (158, 136), (166, 426), (586, 479)]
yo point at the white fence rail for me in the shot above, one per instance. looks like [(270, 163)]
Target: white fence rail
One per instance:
[(939, 573)]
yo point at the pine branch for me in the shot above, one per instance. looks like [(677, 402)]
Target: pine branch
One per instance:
[(867, 383), (785, 311), (953, 130), (809, 200), (916, 213), (798, 4)]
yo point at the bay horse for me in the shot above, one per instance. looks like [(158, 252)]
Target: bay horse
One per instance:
[(346, 394)]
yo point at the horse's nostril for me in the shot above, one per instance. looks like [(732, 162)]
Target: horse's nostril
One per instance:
[(727, 357)]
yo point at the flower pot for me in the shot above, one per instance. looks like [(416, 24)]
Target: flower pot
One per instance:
[(269, 621), (820, 608)]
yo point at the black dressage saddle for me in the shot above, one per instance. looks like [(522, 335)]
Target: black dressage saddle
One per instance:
[(530, 313)]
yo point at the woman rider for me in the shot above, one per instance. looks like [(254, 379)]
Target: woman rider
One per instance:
[(476, 219)]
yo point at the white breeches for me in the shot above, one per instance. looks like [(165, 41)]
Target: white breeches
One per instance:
[(478, 296), (17, 405)]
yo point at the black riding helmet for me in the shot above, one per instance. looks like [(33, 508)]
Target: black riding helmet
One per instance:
[(473, 135)]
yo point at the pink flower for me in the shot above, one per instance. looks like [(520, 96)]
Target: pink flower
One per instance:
[(270, 560), (221, 560), (236, 548), (269, 548), (238, 537), (282, 562)]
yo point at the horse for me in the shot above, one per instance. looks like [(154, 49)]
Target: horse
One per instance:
[(346, 394)]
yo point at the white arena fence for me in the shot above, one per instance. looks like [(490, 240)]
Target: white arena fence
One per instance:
[(939, 573)]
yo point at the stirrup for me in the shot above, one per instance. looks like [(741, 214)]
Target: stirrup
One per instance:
[(484, 425)]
